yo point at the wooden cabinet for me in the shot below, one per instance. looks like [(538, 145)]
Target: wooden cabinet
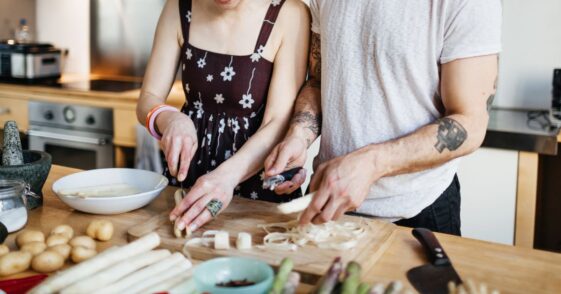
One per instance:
[(14, 109), (124, 122)]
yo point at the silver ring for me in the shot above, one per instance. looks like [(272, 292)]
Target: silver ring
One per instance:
[(214, 207)]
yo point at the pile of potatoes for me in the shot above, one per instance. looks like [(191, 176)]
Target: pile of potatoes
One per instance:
[(46, 255)]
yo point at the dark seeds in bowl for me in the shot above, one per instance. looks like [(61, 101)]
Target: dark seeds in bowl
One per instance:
[(236, 283)]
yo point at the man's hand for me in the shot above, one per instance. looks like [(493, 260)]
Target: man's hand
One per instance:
[(289, 153), (340, 185)]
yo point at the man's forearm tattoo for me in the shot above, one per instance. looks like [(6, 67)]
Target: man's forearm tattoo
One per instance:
[(308, 120), (492, 96), (490, 102), (451, 135)]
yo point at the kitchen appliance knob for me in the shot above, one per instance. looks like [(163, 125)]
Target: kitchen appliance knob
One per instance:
[(69, 114), (49, 115), (90, 120)]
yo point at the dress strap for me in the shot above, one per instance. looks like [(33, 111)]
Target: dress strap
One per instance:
[(268, 24), (185, 16)]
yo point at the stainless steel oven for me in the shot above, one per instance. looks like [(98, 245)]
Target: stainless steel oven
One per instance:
[(75, 135)]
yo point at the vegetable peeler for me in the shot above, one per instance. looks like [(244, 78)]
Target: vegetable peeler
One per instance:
[(272, 182)]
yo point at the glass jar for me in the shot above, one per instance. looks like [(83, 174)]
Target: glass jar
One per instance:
[(13, 204)]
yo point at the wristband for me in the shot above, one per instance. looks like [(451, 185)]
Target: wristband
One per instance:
[(151, 118)]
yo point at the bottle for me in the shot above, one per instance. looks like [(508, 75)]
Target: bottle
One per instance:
[(23, 35)]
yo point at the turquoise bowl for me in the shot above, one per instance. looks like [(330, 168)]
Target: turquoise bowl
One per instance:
[(226, 269)]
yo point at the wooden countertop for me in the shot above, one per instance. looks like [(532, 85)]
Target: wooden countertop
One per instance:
[(507, 268)]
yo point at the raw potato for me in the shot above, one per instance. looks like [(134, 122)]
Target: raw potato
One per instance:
[(82, 241), (47, 262), (62, 249), (14, 262), (64, 230), (56, 239), (34, 247), (80, 254), (100, 229), (4, 250), (29, 236)]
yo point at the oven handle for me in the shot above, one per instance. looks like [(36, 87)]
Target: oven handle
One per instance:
[(77, 139)]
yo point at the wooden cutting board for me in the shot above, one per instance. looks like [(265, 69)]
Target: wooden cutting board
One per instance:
[(245, 215)]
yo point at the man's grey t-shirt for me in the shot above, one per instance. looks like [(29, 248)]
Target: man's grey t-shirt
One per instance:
[(380, 81)]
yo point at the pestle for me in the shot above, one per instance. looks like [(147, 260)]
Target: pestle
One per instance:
[(11, 153)]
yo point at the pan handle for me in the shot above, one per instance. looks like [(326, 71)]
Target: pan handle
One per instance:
[(432, 247)]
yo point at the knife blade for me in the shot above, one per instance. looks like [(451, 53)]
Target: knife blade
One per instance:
[(432, 277), (272, 182)]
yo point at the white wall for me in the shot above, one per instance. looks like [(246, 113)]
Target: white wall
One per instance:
[(488, 180), (66, 23), (531, 50)]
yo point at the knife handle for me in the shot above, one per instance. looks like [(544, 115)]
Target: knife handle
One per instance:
[(432, 247), (289, 174)]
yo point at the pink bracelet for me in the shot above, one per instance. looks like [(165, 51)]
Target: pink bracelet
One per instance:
[(154, 115)]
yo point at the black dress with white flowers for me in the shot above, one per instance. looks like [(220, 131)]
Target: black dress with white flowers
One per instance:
[(226, 98)]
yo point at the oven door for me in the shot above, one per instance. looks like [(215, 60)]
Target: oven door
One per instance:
[(75, 149)]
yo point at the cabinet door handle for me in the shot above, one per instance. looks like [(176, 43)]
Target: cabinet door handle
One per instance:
[(4, 110)]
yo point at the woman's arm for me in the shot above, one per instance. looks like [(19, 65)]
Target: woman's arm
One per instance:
[(162, 66), (288, 76), (179, 140)]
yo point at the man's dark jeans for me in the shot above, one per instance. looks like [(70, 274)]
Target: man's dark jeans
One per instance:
[(443, 215)]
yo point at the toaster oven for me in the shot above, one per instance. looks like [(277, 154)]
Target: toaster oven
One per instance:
[(29, 61)]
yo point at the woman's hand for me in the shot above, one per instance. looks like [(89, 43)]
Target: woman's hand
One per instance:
[(192, 211), (289, 153), (179, 142)]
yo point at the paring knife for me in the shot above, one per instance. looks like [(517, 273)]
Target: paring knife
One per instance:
[(272, 182), (432, 277)]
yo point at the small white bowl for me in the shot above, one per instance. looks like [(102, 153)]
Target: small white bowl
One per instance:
[(148, 184)]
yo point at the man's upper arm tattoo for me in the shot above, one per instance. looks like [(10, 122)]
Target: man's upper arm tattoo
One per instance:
[(315, 52), (451, 135)]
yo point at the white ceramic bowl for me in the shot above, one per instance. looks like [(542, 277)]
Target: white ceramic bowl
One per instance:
[(148, 184)]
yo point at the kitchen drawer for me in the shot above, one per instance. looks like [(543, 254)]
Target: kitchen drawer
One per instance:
[(125, 122), (14, 109)]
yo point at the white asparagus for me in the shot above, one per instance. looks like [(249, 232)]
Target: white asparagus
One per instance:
[(222, 240), (296, 205), (186, 287), (244, 241), (143, 285), (155, 269), (164, 286), (116, 272), (178, 196), (85, 269), (109, 190)]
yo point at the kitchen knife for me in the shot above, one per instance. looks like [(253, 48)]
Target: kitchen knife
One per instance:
[(272, 182), (433, 277)]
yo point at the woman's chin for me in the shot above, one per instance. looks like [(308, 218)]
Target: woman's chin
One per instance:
[(227, 4)]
